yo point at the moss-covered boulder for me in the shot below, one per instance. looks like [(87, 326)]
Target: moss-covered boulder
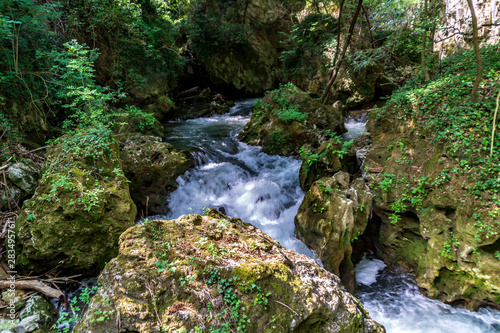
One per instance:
[(287, 119), (203, 273), (152, 167), (436, 208), (80, 208), (332, 215), (331, 156)]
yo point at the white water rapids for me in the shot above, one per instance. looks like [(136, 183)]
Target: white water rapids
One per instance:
[(264, 190)]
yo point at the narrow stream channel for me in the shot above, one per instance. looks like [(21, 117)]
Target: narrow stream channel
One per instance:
[(264, 190)]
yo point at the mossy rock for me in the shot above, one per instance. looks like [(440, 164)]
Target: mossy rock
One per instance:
[(332, 215), (201, 273), (331, 159), (80, 208), (152, 167), (287, 119), (446, 233)]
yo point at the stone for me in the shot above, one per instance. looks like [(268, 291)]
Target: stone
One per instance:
[(152, 166), (287, 119), (7, 324), (37, 305), (18, 297), (27, 324), (22, 179), (333, 214), (80, 208), (441, 233), (191, 273)]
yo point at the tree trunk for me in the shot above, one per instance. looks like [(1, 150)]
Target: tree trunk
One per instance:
[(344, 49), (369, 26), (423, 52), (479, 61)]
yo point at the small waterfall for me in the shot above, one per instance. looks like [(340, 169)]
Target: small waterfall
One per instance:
[(258, 188)]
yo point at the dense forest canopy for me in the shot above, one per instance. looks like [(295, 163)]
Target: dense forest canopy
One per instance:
[(58, 56)]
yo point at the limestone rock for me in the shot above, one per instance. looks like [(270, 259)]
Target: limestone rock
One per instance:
[(332, 215), (79, 209), (152, 167), (332, 156), (201, 273), (429, 222), (248, 68), (287, 118), (22, 180), (37, 305)]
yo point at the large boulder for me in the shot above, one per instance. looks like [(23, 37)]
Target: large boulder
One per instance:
[(332, 215), (152, 166), (21, 181), (429, 217), (287, 119), (212, 272), (79, 209)]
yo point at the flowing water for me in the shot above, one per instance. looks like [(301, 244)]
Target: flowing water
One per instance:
[(258, 188), (264, 190), (393, 299)]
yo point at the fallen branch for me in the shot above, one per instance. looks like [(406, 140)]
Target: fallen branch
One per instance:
[(32, 285), (287, 307)]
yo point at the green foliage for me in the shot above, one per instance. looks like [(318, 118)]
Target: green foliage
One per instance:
[(68, 319), (443, 113), (85, 100), (287, 111), (237, 319), (216, 27), (312, 38), (138, 35), (308, 156), (450, 247)]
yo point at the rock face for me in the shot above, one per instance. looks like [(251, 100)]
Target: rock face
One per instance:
[(248, 67), (458, 18), (287, 118), (79, 209), (22, 180), (152, 167), (429, 219), (202, 273), (332, 215)]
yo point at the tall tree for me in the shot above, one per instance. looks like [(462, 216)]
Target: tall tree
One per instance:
[(336, 69), (479, 61), (423, 51)]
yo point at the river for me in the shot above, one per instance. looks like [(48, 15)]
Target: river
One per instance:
[(264, 190)]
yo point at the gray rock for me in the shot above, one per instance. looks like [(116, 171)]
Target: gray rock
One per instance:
[(22, 180), (28, 324), (7, 324), (37, 305)]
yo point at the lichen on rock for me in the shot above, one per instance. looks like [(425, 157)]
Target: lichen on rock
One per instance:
[(202, 273), (79, 209)]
